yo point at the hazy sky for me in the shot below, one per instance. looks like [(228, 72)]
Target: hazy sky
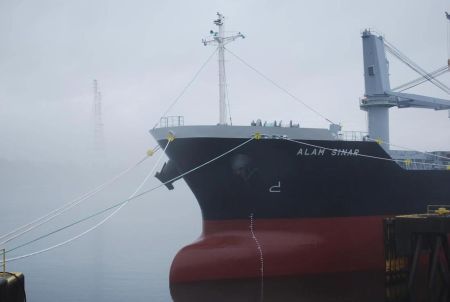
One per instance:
[(143, 53)]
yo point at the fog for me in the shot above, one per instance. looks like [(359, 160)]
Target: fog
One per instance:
[(143, 53)]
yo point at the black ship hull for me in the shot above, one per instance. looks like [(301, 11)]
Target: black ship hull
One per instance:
[(276, 178), (316, 207)]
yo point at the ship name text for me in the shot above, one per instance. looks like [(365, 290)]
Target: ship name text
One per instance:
[(321, 152)]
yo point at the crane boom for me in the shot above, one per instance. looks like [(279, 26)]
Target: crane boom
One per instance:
[(379, 97), (407, 100)]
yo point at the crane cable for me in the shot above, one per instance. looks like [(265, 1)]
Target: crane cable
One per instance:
[(410, 63), (117, 205), (280, 87), (402, 57), (413, 83), (21, 230)]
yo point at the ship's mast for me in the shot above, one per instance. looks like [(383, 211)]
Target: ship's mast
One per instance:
[(222, 78), (218, 38)]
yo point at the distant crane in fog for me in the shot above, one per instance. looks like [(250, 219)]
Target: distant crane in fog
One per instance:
[(98, 124)]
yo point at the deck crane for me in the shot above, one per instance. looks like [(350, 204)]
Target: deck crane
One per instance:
[(379, 96)]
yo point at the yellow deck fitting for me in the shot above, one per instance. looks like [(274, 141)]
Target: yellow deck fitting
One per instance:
[(257, 135), (170, 137), (379, 141), (408, 162), (150, 152), (442, 211)]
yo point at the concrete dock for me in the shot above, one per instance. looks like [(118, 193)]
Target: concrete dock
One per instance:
[(417, 256)]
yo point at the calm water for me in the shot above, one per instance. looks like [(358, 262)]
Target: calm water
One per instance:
[(129, 257)]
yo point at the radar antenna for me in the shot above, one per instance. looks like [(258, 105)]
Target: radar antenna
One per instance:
[(218, 38)]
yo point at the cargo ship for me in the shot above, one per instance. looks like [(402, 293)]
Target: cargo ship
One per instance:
[(289, 200)]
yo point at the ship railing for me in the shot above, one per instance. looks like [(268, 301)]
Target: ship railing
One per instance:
[(409, 164), (171, 121), (352, 135), (415, 160), (280, 124), (436, 208)]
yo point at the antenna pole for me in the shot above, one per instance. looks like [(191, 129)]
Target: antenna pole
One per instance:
[(218, 38), (222, 78)]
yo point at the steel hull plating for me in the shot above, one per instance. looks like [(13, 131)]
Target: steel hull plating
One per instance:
[(303, 246), (315, 210)]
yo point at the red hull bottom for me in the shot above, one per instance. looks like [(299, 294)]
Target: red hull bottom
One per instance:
[(290, 247)]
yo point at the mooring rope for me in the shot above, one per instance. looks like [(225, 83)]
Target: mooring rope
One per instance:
[(363, 155), (115, 206), (84, 219), (64, 208), (407, 148), (135, 196)]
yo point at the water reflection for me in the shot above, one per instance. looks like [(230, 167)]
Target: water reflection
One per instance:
[(333, 287), (351, 287)]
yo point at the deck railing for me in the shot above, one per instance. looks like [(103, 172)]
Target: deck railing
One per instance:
[(352, 135), (171, 121)]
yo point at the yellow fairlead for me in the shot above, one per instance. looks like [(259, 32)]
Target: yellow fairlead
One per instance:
[(170, 137), (442, 211), (379, 141), (448, 167), (257, 135), (150, 152), (408, 162)]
